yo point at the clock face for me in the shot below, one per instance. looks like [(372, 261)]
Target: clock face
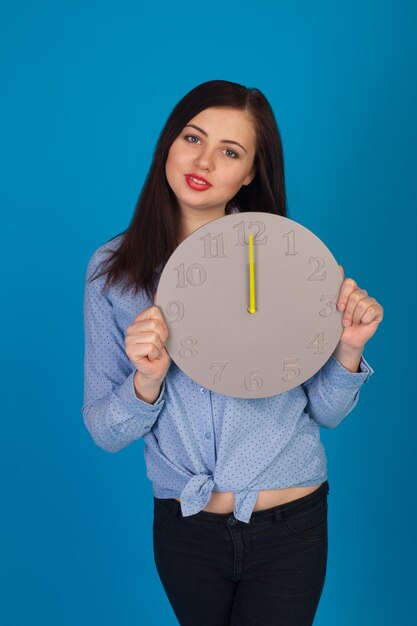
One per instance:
[(216, 276)]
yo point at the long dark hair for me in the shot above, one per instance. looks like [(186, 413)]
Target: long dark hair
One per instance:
[(135, 261)]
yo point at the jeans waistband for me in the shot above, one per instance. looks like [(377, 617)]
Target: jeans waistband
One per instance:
[(259, 516)]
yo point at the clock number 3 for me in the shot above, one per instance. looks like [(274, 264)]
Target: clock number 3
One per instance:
[(331, 302)]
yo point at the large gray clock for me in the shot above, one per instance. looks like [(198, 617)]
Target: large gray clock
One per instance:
[(251, 317)]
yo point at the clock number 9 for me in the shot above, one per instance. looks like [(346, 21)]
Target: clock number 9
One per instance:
[(175, 310)]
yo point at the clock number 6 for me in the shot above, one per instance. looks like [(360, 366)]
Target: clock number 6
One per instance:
[(253, 381)]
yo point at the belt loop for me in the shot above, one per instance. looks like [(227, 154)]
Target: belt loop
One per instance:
[(277, 515), (178, 512)]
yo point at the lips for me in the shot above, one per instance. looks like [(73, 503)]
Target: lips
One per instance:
[(203, 186), (204, 180)]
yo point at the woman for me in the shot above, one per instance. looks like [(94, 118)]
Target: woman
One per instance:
[(240, 535)]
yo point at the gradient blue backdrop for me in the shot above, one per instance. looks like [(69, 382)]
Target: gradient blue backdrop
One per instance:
[(85, 90)]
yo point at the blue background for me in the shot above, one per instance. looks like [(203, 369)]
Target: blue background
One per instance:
[(85, 90)]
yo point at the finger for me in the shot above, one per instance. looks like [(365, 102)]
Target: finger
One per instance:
[(361, 307), (153, 313), (374, 313), (150, 337), (348, 286), (142, 350), (354, 298), (148, 326)]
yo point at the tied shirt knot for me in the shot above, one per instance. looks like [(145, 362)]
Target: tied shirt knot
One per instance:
[(196, 494)]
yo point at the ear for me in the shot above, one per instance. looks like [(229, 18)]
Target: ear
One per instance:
[(249, 178)]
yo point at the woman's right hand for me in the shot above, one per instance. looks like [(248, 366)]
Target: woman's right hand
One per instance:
[(145, 345)]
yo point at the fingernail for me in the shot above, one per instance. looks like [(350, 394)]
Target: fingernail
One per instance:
[(346, 322), (341, 306)]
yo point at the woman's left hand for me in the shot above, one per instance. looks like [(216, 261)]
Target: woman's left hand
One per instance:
[(362, 313)]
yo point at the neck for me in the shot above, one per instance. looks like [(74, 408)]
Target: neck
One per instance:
[(191, 220)]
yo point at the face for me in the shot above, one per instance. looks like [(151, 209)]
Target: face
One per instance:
[(211, 151)]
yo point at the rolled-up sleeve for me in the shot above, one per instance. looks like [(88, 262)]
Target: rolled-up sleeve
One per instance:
[(333, 391), (112, 412)]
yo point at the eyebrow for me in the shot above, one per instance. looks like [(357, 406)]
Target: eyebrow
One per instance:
[(222, 141)]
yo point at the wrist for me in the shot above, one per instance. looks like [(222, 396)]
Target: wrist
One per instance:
[(343, 348), (146, 389), (349, 357)]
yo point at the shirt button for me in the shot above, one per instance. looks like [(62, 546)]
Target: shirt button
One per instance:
[(202, 390), (208, 435)]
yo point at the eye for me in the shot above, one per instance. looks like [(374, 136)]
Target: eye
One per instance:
[(236, 156), (192, 137), (233, 155)]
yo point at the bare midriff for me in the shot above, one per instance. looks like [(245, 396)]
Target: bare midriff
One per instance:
[(223, 501)]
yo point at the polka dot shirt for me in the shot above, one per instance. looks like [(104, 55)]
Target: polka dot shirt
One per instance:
[(195, 440)]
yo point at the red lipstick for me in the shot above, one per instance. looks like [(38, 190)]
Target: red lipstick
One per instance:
[(197, 186)]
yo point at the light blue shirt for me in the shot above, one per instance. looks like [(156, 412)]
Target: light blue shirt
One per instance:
[(195, 440)]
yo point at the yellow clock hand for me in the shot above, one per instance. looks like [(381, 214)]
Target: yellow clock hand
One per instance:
[(252, 306)]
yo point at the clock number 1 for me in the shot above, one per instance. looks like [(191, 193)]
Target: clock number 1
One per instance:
[(290, 242)]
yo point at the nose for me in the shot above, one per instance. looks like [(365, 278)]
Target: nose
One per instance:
[(204, 160)]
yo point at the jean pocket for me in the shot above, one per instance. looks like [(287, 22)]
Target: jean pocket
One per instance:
[(309, 522), (164, 514)]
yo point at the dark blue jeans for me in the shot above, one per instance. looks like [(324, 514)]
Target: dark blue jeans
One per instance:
[(219, 571)]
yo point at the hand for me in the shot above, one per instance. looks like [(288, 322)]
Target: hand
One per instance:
[(362, 312), (145, 344)]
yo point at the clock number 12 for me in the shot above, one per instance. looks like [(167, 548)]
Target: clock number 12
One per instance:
[(243, 239)]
